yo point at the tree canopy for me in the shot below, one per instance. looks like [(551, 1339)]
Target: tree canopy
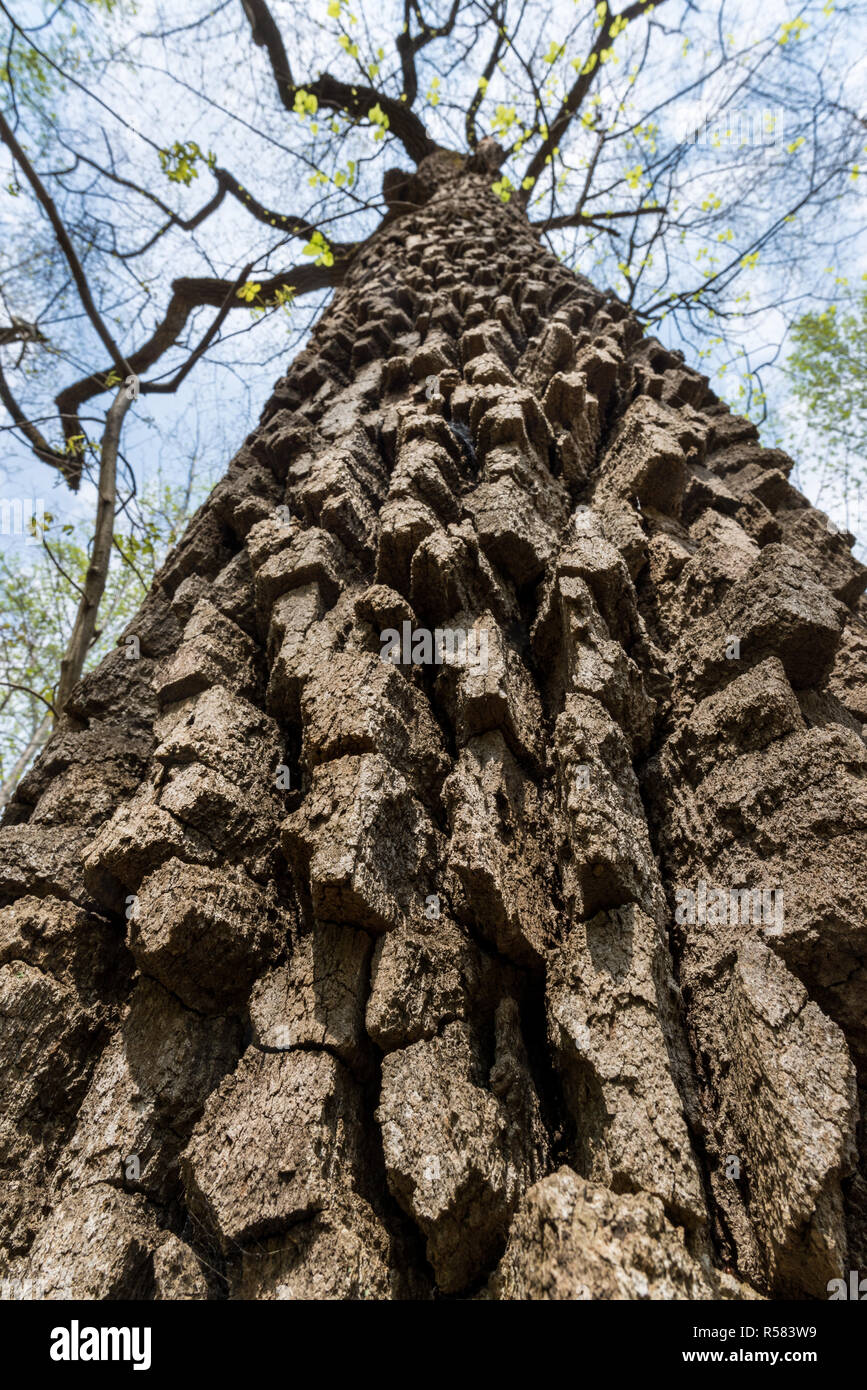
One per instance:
[(172, 184)]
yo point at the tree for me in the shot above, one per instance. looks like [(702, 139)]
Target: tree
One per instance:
[(40, 592), (827, 370), (443, 881)]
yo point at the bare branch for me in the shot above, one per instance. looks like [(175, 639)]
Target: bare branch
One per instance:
[(591, 219), (578, 91), (68, 465), (497, 17), (409, 44), (63, 241), (189, 293), (331, 93)]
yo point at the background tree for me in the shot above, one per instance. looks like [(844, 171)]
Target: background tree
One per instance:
[(41, 586), (827, 369)]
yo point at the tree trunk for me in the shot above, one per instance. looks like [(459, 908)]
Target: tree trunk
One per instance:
[(331, 975), (84, 627), (38, 736)]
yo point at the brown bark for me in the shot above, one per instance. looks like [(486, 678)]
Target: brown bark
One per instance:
[(357, 979)]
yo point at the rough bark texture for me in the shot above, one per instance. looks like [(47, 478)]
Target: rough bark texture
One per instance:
[(425, 1020)]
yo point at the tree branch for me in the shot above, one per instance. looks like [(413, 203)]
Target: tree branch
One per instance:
[(408, 45), (581, 219), (190, 293), (578, 91), (26, 690), (497, 16), (331, 93), (63, 241), (68, 465)]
